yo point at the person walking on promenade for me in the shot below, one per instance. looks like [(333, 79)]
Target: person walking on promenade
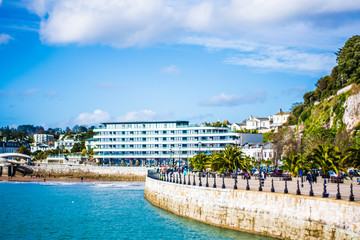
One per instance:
[(262, 178), (314, 177), (309, 177)]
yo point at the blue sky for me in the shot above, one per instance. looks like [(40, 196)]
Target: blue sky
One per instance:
[(84, 62)]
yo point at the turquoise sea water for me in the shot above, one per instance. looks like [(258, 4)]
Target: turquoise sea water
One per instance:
[(64, 210)]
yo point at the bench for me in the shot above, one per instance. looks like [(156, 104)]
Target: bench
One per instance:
[(286, 177), (334, 179)]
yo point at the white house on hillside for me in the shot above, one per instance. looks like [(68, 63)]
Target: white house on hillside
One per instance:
[(67, 144), (238, 126), (279, 118), (259, 151), (257, 123), (260, 123)]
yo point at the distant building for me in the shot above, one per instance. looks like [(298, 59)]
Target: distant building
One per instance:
[(260, 151), (162, 142), (262, 123), (279, 118), (76, 159), (66, 144), (11, 146), (238, 126), (43, 138), (90, 143), (40, 146), (257, 123)]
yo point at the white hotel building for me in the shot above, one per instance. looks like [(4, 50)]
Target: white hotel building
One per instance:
[(162, 142)]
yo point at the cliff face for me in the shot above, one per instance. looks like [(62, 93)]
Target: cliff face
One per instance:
[(338, 112), (351, 116)]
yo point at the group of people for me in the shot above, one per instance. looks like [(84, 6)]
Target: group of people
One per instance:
[(170, 171), (311, 177)]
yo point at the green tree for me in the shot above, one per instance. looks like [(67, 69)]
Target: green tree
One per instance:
[(348, 59), (217, 161), (327, 158), (309, 99), (292, 164), (229, 159), (78, 147), (352, 158), (232, 156), (200, 162), (24, 150)]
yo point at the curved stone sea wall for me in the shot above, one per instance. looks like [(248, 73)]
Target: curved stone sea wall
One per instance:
[(283, 216)]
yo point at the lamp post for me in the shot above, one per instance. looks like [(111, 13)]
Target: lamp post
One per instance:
[(179, 155), (199, 164), (301, 159), (171, 152), (199, 145), (236, 164)]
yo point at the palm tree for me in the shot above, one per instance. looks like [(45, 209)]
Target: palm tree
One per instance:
[(353, 157), (327, 158), (292, 164), (229, 159), (232, 156), (247, 164), (200, 162), (217, 161)]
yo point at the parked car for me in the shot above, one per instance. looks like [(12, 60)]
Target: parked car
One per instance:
[(278, 172)]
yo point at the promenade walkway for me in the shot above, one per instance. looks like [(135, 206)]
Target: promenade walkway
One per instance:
[(279, 186)]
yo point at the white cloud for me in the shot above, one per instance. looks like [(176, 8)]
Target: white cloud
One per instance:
[(5, 38), (238, 25), (285, 59), (170, 70), (50, 94), (143, 115), (222, 100), (136, 22), (29, 92), (295, 90), (39, 7), (220, 44), (116, 23), (89, 119), (266, 56), (100, 116), (234, 100)]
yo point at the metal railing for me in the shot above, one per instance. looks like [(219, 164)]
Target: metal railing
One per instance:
[(210, 180)]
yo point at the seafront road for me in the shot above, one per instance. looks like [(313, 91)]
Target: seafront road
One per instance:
[(279, 186)]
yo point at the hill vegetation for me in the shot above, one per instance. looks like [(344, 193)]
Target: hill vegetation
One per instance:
[(319, 120)]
